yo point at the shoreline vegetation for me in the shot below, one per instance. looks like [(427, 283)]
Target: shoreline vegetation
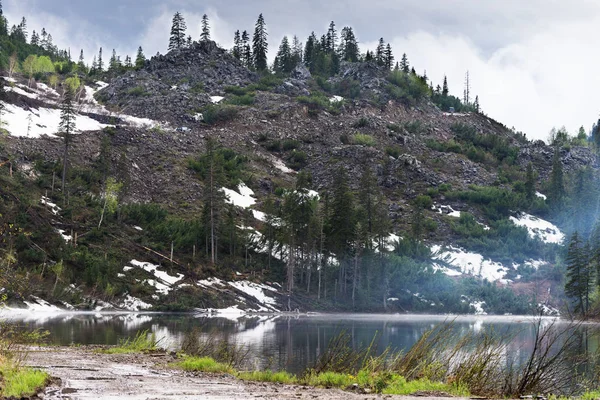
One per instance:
[(441, 362)]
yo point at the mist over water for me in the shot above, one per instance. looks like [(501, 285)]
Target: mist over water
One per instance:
[(290, 343)]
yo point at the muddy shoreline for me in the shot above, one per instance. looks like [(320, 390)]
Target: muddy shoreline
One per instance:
[(82, 373)]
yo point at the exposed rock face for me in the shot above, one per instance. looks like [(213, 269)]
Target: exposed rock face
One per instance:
[(176, 85)]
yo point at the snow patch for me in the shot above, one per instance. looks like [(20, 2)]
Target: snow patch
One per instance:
[(52, 206), (138, 228), (539, 228), (467, 263), (280, 165), (447, 210), (336, 99), (478, 306), (257, 291), (216, 99), (243, 198), (541, 196), (133, 304), (66, 238), (43, 121), (164, 282)]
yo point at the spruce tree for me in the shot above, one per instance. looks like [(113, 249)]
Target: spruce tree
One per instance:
[(309, 51), (237, 45), (205, 36), (284, 61), (296, 51), (388, 57), (349, 46), (379, 52), (2, 97), (246, 50), (579, 274), (331, 43), (140, 58), (113, 64), (404, 65), (476, 104), (178, 28), (66, 128), (100, 63), (81, 64), (35, 39), (557, 186), (260, 45), (445, 87)]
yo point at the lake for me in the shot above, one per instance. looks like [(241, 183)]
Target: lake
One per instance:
[(286, 342)]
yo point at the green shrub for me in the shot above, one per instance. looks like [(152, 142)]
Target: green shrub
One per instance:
[(237, 91), (348, 88), (274, 146), (219, 113), (361, 123), (393, 151), (244, 100), (297, 160), (290, 144), (394, 128), (137, 91), (414, 127), (406, 88), (362, 139), (424, 201), (197, 88)]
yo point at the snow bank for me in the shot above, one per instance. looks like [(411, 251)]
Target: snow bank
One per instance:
[(280, 165), (66, 238), (134, 304), (258, 291), (539, 228), (43, 121), (541, 196), (448, 210), (163, 282), (243, 198), (478, 306), (467, 263), (336, 99), (216, 99), (52, 206)]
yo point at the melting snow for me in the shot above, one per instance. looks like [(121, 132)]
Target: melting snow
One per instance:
[(257, 291), (137, 228), (211, 282), (478, 306), (336, 99), (541, 196), (43, 121), (66, 238), (448, 210), (41, 306), (164, 282), (216, 99), (539, 228), (242, 198), (52, 206), (134, 304), (280, 165), (467, 263)]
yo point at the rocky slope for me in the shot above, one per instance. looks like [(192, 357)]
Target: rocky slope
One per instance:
[(171, 93)]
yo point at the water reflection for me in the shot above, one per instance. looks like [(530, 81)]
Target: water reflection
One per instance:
[(284, 342)]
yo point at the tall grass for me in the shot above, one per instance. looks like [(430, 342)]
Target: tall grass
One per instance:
[(143, 342)]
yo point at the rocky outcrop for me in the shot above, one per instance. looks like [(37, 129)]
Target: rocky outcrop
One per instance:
[(176, 85)]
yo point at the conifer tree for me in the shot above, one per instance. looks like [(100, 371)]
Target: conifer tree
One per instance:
[(237, 45), (380, 52), (100, 63), (296, 51), (35, 39), (246, 50), (388, 57), (310, 50), (579, 274), (178, 28), (284, 61), (404, 65), (331, 42), (445, 87), (205, 36), (368, 56), (349, 46), (2, 93), (113, 64), (128, 64), (81, 64), (140, 58), (476, 104), (467, 91), (260, 45), (66, 128)]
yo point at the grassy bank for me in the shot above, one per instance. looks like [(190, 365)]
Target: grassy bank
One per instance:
[(142, 343), (18, 381)]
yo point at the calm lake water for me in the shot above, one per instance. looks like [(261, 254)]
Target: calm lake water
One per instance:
[(291, 343)]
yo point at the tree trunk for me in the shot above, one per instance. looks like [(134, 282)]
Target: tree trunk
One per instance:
[(64, 173)]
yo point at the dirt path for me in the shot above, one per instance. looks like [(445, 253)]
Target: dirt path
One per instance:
[(84, 374)]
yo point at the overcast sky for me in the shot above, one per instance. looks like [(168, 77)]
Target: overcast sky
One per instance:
[(534, 64)]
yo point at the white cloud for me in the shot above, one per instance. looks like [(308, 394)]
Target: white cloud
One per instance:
[(543, 80)]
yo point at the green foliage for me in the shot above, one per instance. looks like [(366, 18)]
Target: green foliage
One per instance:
[(244, 100), (406, 88), (393, 151), (232, 163), (214, 114), (347, 88), (142, 343), (361, 123), (137, 91), (297, 160), (269, 376), (290, 144), (20, 382), (363, 140), (414, 127), (204, 364)]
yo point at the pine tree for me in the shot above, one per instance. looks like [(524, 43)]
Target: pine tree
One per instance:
[(284, 61), (140, 58), (445, 87), (81, 64), (476, 104), (368, 56), (331, 42), (178, 28), (404, 65), (349, 46), (296, 51), (260, 45), (35, 39), (579, 277), (237, 45), (246, 50), (380, 52), (388, 57), (205, 36), (467, 91), (113, 64), (309, 51), (128, 64), (66, 128), (100, 63)]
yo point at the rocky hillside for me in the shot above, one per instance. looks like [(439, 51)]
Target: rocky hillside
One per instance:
[(462, 174)]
